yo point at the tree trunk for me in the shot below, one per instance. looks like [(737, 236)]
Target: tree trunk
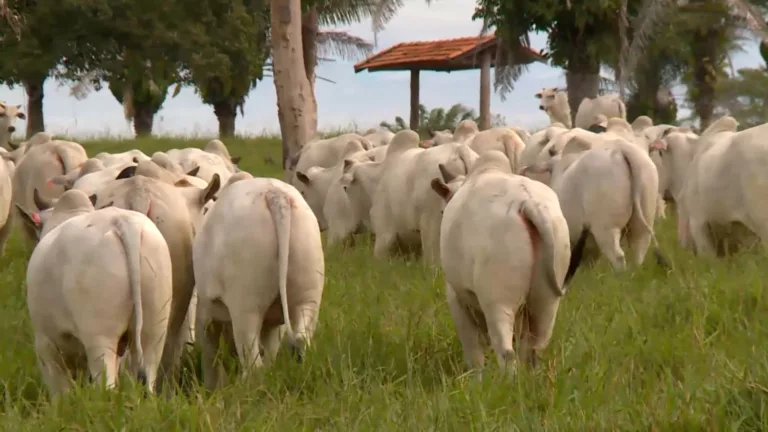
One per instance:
[(583, 80), (704, 75), (415, 114), (309, 29), (291, 84), (485, 91), (35, 120), (143, 119), (226, 112)]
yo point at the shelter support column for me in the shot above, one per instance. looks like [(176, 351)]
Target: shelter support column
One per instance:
[(485, 90), (414, 121)]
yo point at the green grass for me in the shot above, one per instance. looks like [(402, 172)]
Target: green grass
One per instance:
[(641, 350)]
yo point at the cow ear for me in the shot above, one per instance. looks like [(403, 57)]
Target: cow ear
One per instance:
[(538, 95), (348, 163), (447, 175), (302, 177), (31, 219), (93, 198), (442, 189), (127, 172), (183, 183), (193, 172), (61, 180), (211, 190), (236, 159)]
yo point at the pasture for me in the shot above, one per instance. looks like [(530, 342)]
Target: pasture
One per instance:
[(640, 350)]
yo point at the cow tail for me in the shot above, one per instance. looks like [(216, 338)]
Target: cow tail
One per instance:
[(531, 211), (66, 158), (637, 185), (130, 233), (467, 157), (279, 206), (513, 147)]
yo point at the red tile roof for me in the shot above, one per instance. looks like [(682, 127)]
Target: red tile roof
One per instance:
[(442, 55)]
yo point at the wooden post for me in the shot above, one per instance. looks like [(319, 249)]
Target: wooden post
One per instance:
[(414, 123), (485, 90)]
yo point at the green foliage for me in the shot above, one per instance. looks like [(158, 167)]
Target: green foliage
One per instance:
[(46, 38), (578, 36), (225, 48), (745, 97), (645, 103), (133, 43), (632, 350), (438, 119), (339, 12)]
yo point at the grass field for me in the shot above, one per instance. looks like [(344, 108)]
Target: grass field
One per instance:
[(641, 350)]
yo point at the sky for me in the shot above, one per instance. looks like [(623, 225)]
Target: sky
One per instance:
[(359, 100)]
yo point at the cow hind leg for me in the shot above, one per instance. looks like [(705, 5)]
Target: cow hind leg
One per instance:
[(383, 244), (501, 329), (699, 231), (209, 334), (608, 240), (246, 329), (55, 372), (303, 322), (468, 332), (541, 309), (152, 342), (271, 338), (102, 359), (639, 240), (430, 241)]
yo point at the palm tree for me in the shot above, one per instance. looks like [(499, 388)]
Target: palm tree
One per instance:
[(436, 119), (318, 45), (709, 28)]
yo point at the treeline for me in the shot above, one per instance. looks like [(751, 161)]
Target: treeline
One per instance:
[(145, 51)]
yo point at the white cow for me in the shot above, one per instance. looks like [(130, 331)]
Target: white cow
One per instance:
[(348, 204), (505, 251), (724, 188), (37, 167), (404, 208), (17, 151), (505, 140), (266, 272), (213, 159), (176, 210), (8, 116), (672, 153), (124, 158), (325, 153), (555, 103), (465, 130), (379, 137), (315, 183), (606, 189), (111, 292)]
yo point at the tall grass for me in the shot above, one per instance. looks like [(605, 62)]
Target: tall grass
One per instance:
[(639, 350)]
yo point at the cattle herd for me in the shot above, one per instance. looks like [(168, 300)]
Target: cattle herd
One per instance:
[(141, 255)]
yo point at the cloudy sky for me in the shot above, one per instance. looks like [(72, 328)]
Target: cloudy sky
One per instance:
[(361, 100)]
